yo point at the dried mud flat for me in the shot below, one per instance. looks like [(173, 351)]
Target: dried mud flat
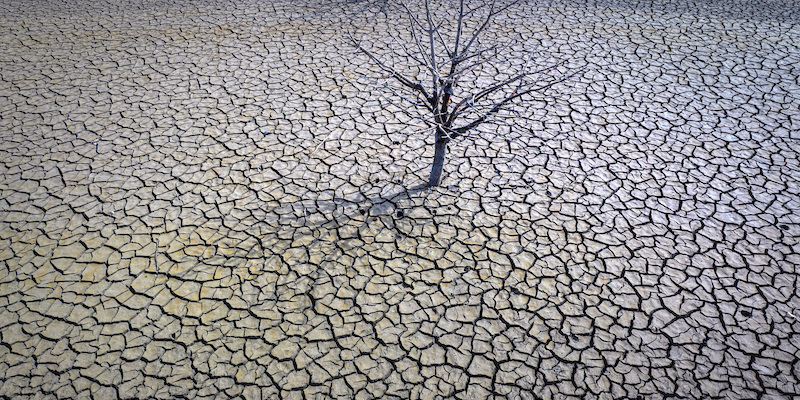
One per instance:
[(202, 200)]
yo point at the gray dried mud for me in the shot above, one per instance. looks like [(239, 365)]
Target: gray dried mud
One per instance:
[(204, 200)]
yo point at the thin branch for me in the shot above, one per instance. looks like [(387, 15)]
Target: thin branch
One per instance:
[(444, 42), (482, 61), (394, 73), (488, 91), (427, 61), (432, 49), (497, 107), (458, 35), (480, 95), (489, 17), (478, 31)]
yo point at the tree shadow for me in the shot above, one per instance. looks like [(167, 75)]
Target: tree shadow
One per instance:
[(340, 210)]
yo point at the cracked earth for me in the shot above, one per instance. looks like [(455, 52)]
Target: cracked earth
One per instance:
[(205, 200)]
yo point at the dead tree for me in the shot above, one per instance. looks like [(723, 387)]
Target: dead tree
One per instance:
[(441, 48)]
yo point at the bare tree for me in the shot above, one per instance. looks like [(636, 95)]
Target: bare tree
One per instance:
[(441, 47)]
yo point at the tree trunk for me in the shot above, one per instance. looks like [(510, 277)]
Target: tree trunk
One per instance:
[(438, 159)]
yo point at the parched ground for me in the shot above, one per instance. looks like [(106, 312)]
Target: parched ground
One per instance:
[(202, 199)]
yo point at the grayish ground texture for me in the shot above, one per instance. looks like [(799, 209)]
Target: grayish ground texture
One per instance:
[(203, 200)]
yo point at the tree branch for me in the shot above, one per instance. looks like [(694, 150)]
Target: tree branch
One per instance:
[(499, 105), (394, 73)]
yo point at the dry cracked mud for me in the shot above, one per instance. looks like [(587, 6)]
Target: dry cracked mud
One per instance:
[(203, 199)]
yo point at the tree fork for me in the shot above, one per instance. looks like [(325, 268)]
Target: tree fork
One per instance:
[(443, 63)]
